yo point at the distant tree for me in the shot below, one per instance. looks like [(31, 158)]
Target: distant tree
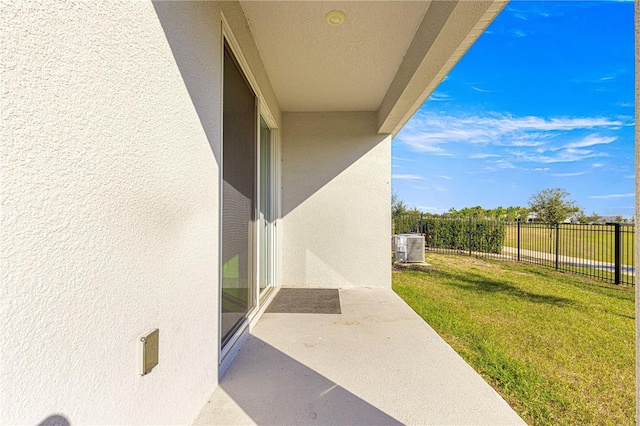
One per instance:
[(476, 212), (463, 212), (499, 213), (594, 218), (510, 214), (398, 207), (552, 205), (582, 218), (517, 213), (448, 214)]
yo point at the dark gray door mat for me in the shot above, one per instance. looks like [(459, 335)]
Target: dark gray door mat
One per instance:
[(305, 301)]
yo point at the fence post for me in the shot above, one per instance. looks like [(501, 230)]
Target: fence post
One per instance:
[(470, 235), (518, 241), (617, 252), (557, 244)]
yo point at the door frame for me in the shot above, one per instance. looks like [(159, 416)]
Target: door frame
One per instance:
[(262, 294)]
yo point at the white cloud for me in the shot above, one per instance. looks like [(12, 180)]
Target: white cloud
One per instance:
[(440, 96), (526, 10), (525, 143), (481, 156), (538, 139), (445, 177), (505, 165), (627, 195), (567, 174), (477, 89), (538, 123), (590, 140), (569, 155), (597, 165), (494, 128), (598, 79), (424, 143), (406, 177)]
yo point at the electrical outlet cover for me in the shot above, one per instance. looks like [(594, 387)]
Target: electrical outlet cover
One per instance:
[(148, 344)]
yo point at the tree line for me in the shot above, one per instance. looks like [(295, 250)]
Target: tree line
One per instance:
[(550, 205)]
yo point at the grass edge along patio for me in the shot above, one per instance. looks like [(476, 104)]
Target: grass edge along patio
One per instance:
[(559, 347)]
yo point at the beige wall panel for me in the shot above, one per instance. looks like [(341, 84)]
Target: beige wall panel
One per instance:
[(336, 200), (109, 154)]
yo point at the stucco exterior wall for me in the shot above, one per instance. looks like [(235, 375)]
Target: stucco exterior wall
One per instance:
[(336, 174), (110, 205)]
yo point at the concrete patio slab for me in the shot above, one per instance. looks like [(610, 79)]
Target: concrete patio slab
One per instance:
[(376, 363)]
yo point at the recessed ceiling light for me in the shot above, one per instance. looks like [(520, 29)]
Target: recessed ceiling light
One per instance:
[(335, 17)]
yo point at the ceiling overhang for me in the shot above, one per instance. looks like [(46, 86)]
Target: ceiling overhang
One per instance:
[(387, 57)]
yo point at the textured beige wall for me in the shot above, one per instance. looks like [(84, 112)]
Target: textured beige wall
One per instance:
[(336, 175), (110, 111)]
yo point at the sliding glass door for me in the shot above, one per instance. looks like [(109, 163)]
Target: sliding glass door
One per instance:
[(239, 156), (248, 207)]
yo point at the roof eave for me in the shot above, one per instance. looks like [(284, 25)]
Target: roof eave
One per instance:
[(447, 31)]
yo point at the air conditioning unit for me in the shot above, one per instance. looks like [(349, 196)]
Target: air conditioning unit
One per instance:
[(415, 248), (399, 247)]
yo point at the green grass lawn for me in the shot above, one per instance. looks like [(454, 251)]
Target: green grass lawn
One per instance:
[(558, 347), (582, 241)]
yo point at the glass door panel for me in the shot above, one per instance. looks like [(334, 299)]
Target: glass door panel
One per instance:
[(239, 166), (266, 208)]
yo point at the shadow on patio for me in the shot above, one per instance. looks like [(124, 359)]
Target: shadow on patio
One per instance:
[(375, 363)]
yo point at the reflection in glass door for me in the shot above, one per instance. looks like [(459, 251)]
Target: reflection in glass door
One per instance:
[(266, 208), (239, 164)]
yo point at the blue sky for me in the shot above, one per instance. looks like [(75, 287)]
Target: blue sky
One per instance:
[(544, 98)]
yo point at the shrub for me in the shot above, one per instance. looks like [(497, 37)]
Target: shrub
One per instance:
[(484, 236)]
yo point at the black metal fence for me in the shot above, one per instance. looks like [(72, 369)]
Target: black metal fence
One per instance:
[(601, 251)]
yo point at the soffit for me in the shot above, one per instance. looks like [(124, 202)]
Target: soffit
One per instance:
[(314, 66)]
